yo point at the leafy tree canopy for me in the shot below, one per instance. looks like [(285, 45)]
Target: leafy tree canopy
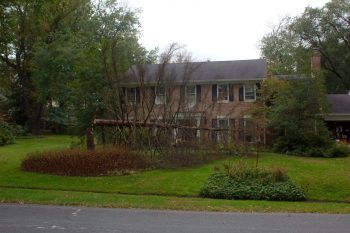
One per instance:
[(66, 54), (293, 110), (288, 47)]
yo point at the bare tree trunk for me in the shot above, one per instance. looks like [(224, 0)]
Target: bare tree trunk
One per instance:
[(34, 113), (32, 108)]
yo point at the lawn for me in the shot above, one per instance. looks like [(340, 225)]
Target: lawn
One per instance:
[(323, 179)]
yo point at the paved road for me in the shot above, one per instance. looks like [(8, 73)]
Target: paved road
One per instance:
[(35, 218)]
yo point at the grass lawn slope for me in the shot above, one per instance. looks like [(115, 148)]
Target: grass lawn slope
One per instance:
[(322, 179)]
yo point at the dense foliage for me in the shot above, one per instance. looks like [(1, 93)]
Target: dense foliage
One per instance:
[(293, 111), (62, 61), (245, 182), (296, 117)]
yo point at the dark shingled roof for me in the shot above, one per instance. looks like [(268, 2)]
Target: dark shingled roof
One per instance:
[(340, 103), (211, 71)]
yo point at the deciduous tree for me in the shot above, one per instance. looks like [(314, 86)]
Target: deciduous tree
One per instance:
[(288, 47)]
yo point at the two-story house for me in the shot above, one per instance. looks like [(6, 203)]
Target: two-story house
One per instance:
[(213, 94)]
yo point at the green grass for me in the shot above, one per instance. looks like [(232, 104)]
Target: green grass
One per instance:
[(165, 202), (324, 180)]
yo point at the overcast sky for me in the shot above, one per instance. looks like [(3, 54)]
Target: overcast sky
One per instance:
[(214, 29)]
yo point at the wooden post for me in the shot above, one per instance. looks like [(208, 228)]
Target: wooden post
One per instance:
[(90, 139)]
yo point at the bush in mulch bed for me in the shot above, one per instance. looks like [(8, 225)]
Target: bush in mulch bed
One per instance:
[(79, 162), (245, 182)]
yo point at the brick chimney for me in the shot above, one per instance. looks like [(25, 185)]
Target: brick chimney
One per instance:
[(315, 59)]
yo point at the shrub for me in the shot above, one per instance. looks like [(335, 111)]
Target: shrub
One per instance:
[(241, 181), (338, 150), (279, 174), (313, 147), (78, 162), (6, 134), (18, 131), (241, 170), (313, 152)]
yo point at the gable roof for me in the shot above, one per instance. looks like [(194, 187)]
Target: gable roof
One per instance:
[(340, 103), (211, 71)]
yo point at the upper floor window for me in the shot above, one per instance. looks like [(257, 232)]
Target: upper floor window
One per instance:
[(131, 95), (160, 95), (249, 92), (190, 95), (222, 93)]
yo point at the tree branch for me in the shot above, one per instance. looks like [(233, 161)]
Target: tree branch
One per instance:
[(332, 69), (340, 33)]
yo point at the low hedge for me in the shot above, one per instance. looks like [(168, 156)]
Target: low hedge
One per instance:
[(112, 161), (244, 182), (80, 162), (326, 148)]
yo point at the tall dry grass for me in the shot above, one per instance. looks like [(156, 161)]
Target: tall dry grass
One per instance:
[(79, 162)]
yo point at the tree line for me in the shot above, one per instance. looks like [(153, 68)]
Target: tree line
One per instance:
[(288, 47)]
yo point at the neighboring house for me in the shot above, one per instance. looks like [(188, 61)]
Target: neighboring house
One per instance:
[(213, 94), (338, 119)]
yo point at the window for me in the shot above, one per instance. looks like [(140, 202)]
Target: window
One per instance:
[(249, 92), (222, 123), (188, 119), (131, 94), (222, 93), (246, 129), (160, 95), (191, 95)]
